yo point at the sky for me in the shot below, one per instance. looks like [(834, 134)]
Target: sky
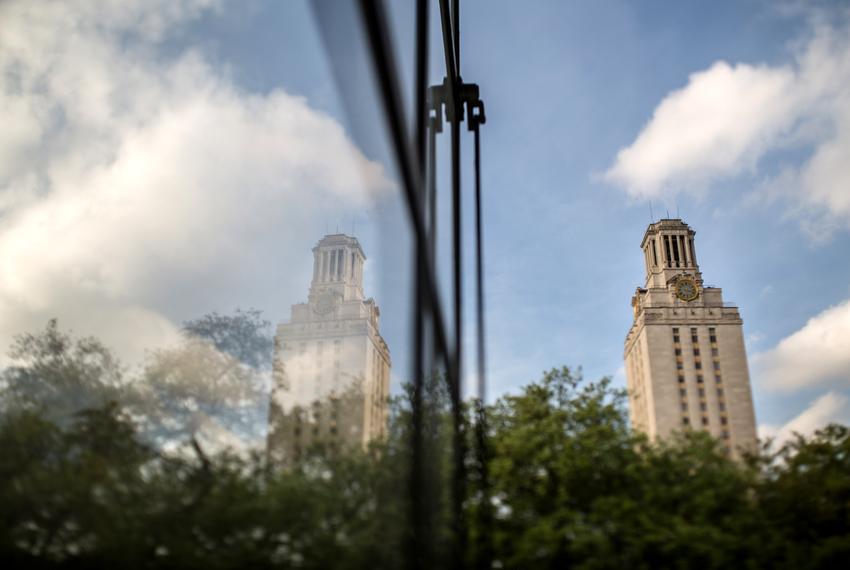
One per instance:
[(164, 159)]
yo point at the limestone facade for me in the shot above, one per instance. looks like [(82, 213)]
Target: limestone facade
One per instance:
[(331, 365), (686, 365)]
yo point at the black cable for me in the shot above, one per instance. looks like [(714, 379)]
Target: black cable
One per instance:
[(456, 29), (374, 20), (484, 554), (418, 541)]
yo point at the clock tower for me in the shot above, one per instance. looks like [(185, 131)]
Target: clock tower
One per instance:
[(331, 365), (685, 360)]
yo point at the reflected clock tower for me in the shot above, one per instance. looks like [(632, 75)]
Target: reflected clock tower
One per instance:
[(331, 365)]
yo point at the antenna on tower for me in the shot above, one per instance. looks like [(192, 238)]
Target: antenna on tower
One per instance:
[(668, 213), (651, 217)]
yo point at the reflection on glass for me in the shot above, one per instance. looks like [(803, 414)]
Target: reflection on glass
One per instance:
[(331, 364)]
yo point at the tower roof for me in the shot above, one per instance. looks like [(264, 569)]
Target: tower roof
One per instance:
[(670, 224), (336, 240)]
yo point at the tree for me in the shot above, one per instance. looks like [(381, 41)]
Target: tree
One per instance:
[(58, 376), (215, 382), (575, 487)]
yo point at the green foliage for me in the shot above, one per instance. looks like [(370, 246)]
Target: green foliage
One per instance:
[(58, 375), (570, 484), (245, 335)]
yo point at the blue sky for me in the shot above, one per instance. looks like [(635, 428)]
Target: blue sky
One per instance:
[(736, 115)]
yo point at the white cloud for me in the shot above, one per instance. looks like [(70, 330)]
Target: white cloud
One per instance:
[(133, 184), (729, 116), (829, 408), (817, 354)]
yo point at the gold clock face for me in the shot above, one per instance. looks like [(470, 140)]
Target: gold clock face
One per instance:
[(686, 289)]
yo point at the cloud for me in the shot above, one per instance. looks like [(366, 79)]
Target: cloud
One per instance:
[(730, 116), (134, 185), (817, 354), (829, 408)]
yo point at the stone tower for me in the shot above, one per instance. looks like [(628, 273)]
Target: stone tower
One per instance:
[(686, 364), (331, 365)]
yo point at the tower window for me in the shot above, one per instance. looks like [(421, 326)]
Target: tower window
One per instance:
[(691, 246), (699, 378), (676, 250), (678, 351), (352, 265), (654, 255), (698, 365), (667, 250), (696, 352), (681, 379)]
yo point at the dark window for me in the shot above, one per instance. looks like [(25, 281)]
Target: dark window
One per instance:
[(702, 393), (675, 338), (702, 406), (724, 420), (678, 351), (722, 407), (681, 379), (725, 434), (720, 392), (676, 250), (717, 378), (699, 378), (696, 352), (716, 365), (698, 365), (679, 365), (683, 392), (654, 255), (704, 421), (685, 421)]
